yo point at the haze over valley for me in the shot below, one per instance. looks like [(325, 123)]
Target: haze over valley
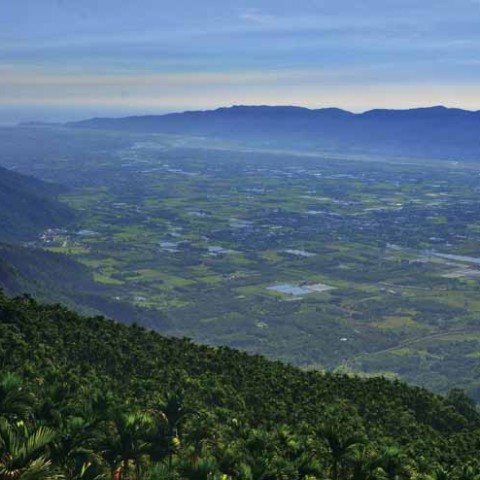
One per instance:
[(367, 264), (239, 240)]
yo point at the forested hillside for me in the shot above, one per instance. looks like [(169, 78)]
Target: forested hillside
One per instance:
[(87, 398), (28, 205), (57, 278)]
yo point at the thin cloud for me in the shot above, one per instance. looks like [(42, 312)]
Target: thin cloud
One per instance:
[(256, 16), (203, 54)]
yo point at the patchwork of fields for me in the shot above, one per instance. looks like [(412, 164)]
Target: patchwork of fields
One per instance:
[(326, 263)]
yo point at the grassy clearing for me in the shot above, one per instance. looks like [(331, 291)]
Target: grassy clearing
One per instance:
[(398, 323), (107, 280)]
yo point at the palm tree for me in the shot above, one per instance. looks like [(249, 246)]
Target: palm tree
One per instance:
[(159, 471), (340, 444), (15, 401), (263, 457), (196, 468), (74, 449), (441, 473), (175, 412), (363, 461), (169, 416), (468, 472), (393, 461), (23, 454), (128, 442)]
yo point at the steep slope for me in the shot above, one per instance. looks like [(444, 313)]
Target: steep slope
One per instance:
[(436, 132), (54, 277), (230, 407), (28, 206)]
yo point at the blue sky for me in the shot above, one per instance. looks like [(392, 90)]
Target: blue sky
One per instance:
[(63, 59)]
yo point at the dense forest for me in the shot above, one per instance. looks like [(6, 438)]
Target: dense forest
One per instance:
[(87, 398)]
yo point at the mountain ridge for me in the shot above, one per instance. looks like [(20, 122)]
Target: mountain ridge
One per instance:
[(291, 108), (427, 132)]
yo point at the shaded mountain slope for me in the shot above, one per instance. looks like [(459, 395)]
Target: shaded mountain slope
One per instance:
[(55, 277), (28, 205)]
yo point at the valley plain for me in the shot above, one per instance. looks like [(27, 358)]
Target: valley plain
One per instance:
[(362, 265)]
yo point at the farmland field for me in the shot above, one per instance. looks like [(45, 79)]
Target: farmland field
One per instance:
[(366, 266)]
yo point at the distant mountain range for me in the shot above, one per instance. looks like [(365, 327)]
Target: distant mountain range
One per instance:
[(435, 132)]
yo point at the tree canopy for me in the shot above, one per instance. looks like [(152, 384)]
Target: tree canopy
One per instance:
[(87, 398)]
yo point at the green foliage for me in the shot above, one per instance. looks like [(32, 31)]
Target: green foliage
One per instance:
[(15, 401), (23, 452), (89, 399)]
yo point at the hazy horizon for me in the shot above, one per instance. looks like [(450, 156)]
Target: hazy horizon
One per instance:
[(15, 116), (59, 56)]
